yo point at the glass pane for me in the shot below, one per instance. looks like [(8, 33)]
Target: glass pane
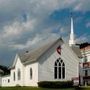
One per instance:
[(63, 72), (59, 64), (55, 63), (63, 64), (30, 73), (55, 72), (61, 61), (19, 74), (14, 76), (59, 72)]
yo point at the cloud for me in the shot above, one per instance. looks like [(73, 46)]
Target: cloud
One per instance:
[(82, 5), (64, 30), (15, 31), (28, 44), (88, 24), (39, 7), (37, 41), (83, 38), (30, 17)]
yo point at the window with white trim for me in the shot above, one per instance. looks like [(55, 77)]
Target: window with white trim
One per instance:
[(14, 76), (31, 73), (59, 69), (19, 74)]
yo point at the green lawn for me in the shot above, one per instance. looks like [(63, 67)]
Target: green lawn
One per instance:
[(30, 88), (34, 88)]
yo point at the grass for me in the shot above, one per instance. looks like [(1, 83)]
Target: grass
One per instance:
[(35, 88), (30, 88)]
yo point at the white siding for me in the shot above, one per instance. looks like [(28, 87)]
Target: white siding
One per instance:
[(34, 80), (20, 82), (0, 80), (20, 66), (46, 64), (6, 81)]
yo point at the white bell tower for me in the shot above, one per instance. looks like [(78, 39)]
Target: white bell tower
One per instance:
[(72, 40)]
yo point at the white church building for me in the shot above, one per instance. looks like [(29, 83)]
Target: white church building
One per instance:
[(54, 61)]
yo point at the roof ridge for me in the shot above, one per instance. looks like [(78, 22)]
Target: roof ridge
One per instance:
[(37, 53)]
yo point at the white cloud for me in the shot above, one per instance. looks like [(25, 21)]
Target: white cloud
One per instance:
[(82, 5), (17, 28), (78, 7), (13, 32), (39, 7), (82, 39), (88, 24), (37, 41), (64, 30), (28, 44)]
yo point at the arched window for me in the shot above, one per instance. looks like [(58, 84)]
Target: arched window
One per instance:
[(31, 73), (14, 76), (59, 69), (19, 74)]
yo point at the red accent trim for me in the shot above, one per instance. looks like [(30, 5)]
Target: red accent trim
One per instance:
[(59, 49)]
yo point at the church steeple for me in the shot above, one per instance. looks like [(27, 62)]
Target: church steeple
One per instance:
[(72, 40)]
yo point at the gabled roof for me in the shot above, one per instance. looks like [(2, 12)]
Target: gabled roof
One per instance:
[(32, 56)]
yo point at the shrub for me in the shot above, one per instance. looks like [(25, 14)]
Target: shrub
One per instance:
[(55, 84), (18, 85)]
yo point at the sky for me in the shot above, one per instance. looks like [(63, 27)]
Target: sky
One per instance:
[(26, 24)]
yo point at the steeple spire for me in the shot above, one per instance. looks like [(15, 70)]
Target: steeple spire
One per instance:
[(72, 41)]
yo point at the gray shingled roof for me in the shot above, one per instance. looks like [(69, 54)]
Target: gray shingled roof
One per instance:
[(32, 56)]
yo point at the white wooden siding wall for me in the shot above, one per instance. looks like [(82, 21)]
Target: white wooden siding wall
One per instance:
[(46, 64), (20, 66), (12, 79), (5, 81), (0, 80), (20, 82), (72, 62), (34, 80)]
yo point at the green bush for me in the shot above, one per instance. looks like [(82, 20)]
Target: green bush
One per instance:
[(55, 84), (18, 85)]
